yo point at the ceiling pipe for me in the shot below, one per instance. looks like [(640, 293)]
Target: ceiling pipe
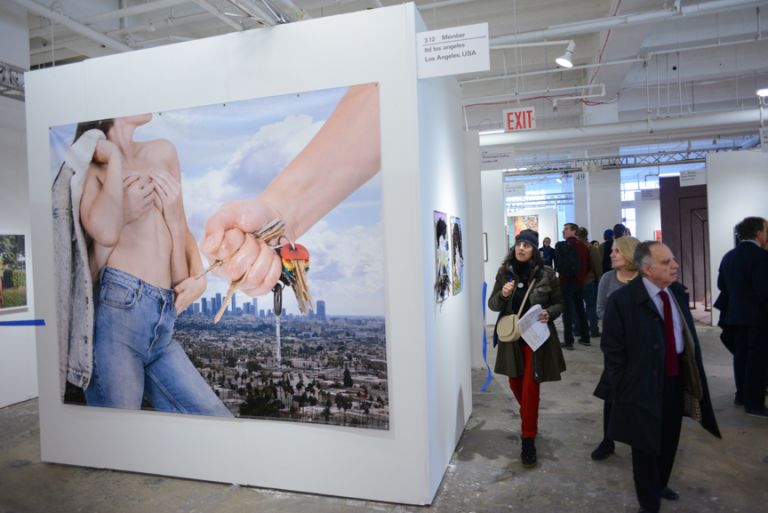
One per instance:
[(625, 20), (536, 44), (254, 11), (72, 25), (468, 102), (217, 13), (276, 14), (299, 14), (134, 10), (720, 121), (628, 60)]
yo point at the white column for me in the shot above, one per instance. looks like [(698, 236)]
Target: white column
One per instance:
[(604, 201), (603, 188), (581, 199), (18, 372)]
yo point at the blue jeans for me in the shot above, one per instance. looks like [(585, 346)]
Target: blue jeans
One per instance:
[(134, 356)]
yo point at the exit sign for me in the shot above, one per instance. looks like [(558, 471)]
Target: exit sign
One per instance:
[(520, 119)]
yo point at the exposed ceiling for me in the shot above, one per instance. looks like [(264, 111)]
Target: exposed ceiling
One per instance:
[(656, 61)]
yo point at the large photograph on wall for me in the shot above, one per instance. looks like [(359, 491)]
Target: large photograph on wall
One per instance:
[(13, 273), (225, 260)]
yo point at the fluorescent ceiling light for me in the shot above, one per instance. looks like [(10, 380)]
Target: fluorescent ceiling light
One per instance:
[(566, 60), (762, 93), (492, 132)]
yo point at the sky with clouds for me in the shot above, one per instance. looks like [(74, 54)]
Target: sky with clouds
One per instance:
[(233, 151)]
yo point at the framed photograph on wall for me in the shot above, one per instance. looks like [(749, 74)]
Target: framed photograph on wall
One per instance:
[(457, 256), (13, 274), (442, 256)]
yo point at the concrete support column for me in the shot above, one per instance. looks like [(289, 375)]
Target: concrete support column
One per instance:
[(601, 189), (581, 199), (604, 201)]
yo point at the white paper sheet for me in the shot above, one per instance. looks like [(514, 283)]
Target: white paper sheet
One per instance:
[(534, 332)]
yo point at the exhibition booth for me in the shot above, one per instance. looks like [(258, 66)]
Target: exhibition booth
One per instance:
[(370, 391)]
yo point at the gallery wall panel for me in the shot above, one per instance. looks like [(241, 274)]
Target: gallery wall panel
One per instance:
[(18, 376), (732, 200)]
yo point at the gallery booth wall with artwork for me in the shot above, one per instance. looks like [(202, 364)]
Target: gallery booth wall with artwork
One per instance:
[(361, 388), (18, 373)]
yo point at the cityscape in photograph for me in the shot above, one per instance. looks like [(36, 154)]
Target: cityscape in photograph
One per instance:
[(329, 369)]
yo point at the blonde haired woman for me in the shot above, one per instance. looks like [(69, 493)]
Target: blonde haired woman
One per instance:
[(624, 271)]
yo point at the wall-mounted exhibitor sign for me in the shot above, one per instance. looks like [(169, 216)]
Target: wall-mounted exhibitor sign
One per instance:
[(519, 119), (453, 51), (690, 177)]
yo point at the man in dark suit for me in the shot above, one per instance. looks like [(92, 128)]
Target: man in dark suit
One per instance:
[(572, 286), (743, 303), (653, 363)]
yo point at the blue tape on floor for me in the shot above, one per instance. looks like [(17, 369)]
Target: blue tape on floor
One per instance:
[(32, 322), (489, 376)]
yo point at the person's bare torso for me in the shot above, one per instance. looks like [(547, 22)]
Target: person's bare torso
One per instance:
[(144, 247)]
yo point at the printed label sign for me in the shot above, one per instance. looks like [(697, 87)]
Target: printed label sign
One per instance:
[(692, 177), (514, 189), (453, 51), (496, 160)]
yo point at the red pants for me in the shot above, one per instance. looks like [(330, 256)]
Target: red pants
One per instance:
[(526, 392)]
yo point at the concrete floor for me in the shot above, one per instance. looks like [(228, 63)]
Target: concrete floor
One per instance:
[(485, 475)]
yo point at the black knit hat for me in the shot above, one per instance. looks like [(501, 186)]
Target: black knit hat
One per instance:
[(529, 236)]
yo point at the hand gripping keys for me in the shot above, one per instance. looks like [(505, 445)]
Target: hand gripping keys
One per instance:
[(295, 260)]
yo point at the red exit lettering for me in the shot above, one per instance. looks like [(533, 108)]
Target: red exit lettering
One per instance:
[(520, 119)]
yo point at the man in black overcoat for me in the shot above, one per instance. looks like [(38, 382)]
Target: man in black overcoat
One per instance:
[(653, 363), (743, 305)]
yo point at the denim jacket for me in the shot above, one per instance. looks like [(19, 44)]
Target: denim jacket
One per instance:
[(74, 278)]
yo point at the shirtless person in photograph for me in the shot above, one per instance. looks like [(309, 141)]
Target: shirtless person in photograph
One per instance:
[(146, 259)]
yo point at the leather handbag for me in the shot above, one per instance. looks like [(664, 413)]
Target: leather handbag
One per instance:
[(508, 327)]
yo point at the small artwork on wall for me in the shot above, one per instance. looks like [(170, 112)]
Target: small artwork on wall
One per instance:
[(442, 257), (13, 273), (522, 222), (457, 256)]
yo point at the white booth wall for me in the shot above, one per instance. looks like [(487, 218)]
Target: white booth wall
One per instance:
[(736, 188), (647, 214), (428, 351), (18, 372), (492, 183), (448, 325), (473, 246)]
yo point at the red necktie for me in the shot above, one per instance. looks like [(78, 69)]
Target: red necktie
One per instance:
[(670, 348)]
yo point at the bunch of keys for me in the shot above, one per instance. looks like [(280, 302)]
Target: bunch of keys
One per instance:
[(295, 258), (270, 233)]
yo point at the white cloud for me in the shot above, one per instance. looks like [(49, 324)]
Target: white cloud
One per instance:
[(248, 170)]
